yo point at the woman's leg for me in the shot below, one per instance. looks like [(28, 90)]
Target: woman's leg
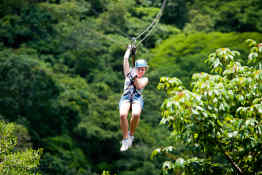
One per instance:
[(124, 109), (136, 111)]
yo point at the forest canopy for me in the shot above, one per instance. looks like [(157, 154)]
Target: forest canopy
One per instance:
[(61, 74)]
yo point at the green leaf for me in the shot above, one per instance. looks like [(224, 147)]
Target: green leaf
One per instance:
[(179, 163), (155, 152)]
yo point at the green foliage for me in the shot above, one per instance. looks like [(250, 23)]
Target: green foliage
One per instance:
[(99, 5), (63, 157), (22, 162), (139, 163), (219, 121), (12, 6), (199, 23), (61, 73), (33, 23), (23, 137), (106, 173), (116, 17), (181, 55), (254, 55), (70, 9), (232, 15), (175, 13), (27, 89)]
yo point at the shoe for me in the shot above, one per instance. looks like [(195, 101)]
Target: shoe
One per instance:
[(130, 139), (125, 144)]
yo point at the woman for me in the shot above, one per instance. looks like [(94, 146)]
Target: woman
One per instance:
[(132, 97)]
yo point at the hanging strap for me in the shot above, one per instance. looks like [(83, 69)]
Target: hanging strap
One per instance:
[(133, 51)]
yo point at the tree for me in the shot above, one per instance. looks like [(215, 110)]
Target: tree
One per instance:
[(220, 120), (231, 15), (12, 160), (182, 55), (30, 23), (199, 23), (175, 12)]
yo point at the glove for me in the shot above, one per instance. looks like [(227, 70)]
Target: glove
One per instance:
[(132, 75), (129, 47), (133, 50)]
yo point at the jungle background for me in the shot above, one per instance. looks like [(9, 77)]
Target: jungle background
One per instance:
[(61, 74)]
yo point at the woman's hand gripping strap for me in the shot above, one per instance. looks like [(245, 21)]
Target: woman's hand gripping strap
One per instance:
[(133, 51)]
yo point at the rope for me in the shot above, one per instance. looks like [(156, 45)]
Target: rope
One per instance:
[(148, 27), (148, 30), (151, 27), (148, 34)]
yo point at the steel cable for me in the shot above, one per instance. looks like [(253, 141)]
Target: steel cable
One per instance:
[(151, 27), (147, 31)]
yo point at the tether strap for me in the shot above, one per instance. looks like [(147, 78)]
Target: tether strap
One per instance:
[(133, 51)]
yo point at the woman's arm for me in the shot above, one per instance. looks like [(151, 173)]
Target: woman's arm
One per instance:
[(140, 83), (125, 62)]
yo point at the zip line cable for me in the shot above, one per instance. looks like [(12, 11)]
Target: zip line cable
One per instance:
[(148, 31), (147, 35), (150, 28)]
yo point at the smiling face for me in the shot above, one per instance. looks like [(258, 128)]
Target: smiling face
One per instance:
[(140, 71)]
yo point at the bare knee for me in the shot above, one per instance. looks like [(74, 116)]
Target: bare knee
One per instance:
[(123, 116), (136, 115), (136, 110)]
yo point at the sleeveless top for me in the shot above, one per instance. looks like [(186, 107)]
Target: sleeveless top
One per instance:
[(129, 87)]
